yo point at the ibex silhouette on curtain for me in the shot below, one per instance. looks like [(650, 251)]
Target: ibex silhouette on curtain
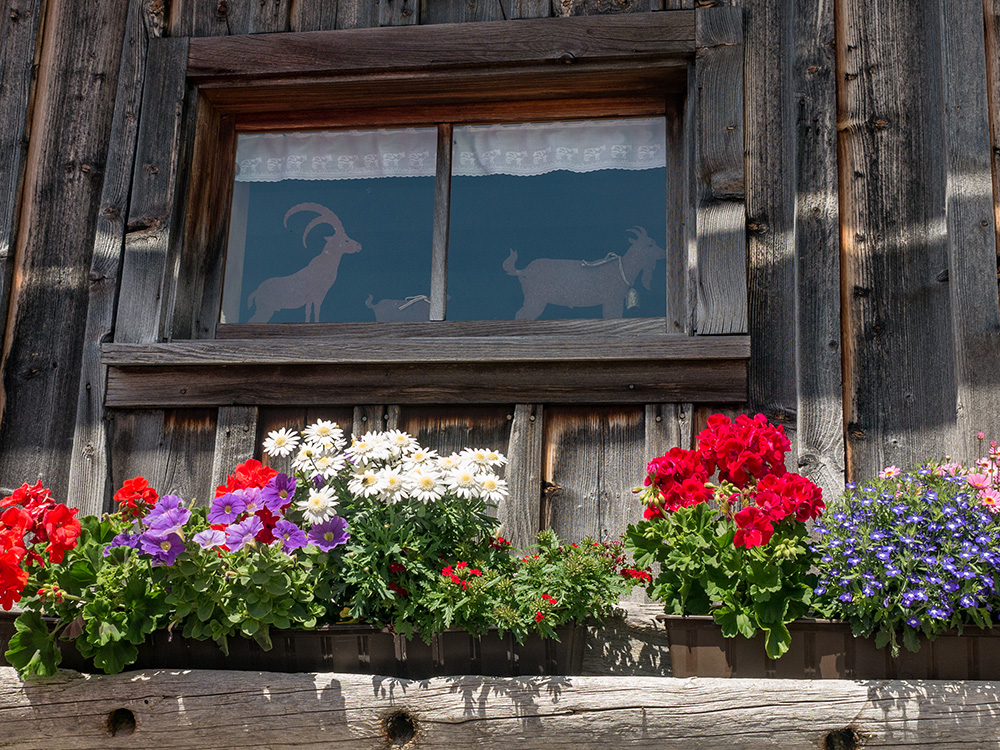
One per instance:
[(310, 285), (579, 283)]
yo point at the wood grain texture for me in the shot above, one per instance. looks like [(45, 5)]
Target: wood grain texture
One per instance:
[(355, 349), (198, 18), (173, 449), (196, 295), (720, 172), (819, 425), (18, 39), (718, 381), (603, 7), (520, 516), (341, 710), (71, 118), (971, 235), (441, 225), (462, 11), (427, 48), (398, 12), (157, 196), (896, 292), (89, 474), (991, 13), (450, 429), (235, 441), (591, 458)]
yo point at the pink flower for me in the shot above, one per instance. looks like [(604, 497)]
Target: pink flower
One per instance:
[(991, 499), (889, 472)]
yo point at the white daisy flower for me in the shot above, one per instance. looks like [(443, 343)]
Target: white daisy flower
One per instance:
[(330, 465), (367, 483), (305, 461), (392, 484), (400, 441), (325, 434), (475, 456), (462, 481), (281, 442), (491, 487), (368, 448), (419, 458), (319, 506), (496, 459), (424, 485), (448, 463)]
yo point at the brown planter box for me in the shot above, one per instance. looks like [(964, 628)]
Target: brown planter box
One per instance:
[(824, 649), (353, 648)]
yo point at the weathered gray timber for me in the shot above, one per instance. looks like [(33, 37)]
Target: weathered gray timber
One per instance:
[(896, 284), (991, 9), (70, 120), (398, 12), (520, 515), (719, 172), (89, 471), (971, 228), (196, 708), (18, 35), (814, 282), (235, 440)]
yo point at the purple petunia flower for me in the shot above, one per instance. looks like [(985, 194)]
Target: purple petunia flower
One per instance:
[(227, 508), (164, 550), (278, 493), (329, 534), (168, 522), (251, 495), (239, 534), (210, 538), (290, 535)]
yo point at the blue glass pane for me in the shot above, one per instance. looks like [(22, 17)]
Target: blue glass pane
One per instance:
[(556, 223), (381, 251)]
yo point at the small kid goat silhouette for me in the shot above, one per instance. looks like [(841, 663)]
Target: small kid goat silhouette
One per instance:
[(310, 285), (579, 283)]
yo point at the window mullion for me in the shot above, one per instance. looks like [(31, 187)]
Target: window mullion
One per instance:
[(442, 208)]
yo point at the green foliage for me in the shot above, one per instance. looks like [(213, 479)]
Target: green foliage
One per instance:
[(701, 571)]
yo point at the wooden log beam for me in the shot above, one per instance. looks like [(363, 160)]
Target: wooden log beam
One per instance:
[(212, 709)]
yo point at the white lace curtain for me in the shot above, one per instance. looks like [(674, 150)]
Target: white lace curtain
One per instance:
[(522, 149)]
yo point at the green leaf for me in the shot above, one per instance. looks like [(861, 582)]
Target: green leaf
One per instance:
[(205, 610), (114, 657), (32, 650), (259, 610), (777, 640), (910, 640)]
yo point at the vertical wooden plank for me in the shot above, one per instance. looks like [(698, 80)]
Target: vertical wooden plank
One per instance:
[(971, 236), (172, 449), (449, 429), (462, 11), (666, 426), (398, 12), (369, 418), (991, 11), (680, 291), (18, 39), (442, 208), (197, 293), (316, 15), (819, 438), (527, 8), (89, 476), (71, 118), (520, 516), (157, 191), (592, 461), (225, 17), (719, 168), (899, 359), (235, 441)]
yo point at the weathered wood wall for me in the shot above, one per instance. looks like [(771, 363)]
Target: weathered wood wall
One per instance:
[(869, 140)]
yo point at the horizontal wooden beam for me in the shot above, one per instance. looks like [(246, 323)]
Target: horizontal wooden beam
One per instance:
[(361, 349), (561, 41), (192, 710), (496, 382)]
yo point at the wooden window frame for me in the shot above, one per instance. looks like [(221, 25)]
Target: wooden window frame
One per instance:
[(169, 350)]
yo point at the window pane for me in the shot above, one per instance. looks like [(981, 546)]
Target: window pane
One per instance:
[(332, 226), (558, 220)]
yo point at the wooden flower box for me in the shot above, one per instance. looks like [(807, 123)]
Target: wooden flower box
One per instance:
[(357, 649), (824, 649)]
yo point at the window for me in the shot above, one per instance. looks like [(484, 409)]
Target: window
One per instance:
[(446, 276)]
